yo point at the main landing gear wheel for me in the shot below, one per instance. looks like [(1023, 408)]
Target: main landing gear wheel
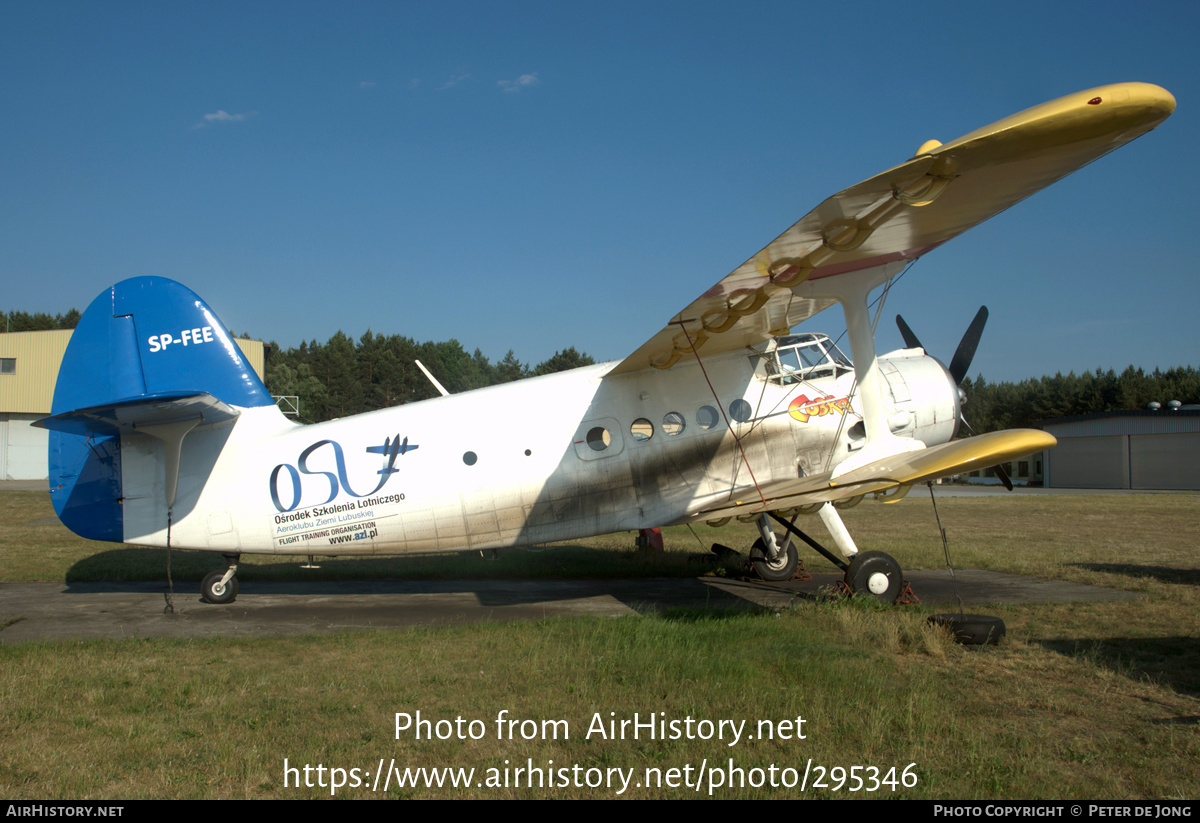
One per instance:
[(784, 567), (875, 574), (216, 592)]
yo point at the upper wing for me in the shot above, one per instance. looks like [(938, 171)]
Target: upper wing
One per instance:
[(904, 212)]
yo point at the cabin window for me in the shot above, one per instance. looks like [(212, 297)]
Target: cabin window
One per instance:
[(740, 410), (672, 424), (469, 458), (8, 365), (642, 429), (805, 357), (707, 417), (598, 439)]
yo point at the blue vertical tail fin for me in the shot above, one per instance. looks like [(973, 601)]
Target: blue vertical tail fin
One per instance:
[(146, 354)]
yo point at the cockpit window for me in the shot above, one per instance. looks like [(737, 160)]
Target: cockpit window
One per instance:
[(806, 356)]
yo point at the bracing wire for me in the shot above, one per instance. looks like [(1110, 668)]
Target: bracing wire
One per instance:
[(720, 406)]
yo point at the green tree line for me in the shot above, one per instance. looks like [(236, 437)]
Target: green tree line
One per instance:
[(995, 406), (343, 377), (39, 321)]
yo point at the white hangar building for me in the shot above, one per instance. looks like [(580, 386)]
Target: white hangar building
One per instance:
[(29, 364)]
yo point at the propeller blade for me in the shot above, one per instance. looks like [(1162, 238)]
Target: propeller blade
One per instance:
[(960, 365), (910, 339), (962, 418), (966, 347), (1000, 472)]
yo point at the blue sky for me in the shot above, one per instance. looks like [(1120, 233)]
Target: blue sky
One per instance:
[(534, 175)]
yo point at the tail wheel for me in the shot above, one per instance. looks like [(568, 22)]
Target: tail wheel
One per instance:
[(875, 574), (216, 592), (784, 566)]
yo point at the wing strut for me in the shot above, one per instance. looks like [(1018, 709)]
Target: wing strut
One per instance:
[(853, 290)]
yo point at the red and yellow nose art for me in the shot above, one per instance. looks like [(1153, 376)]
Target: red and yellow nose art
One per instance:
[(802, 408)]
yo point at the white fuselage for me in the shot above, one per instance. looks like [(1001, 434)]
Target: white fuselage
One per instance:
[(551, 458)]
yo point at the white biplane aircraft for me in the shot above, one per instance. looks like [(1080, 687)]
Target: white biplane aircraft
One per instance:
[(162, 435)]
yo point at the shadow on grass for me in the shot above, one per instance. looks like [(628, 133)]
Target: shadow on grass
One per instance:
[(1164, 574), (573, 562), (569, 579), (1173, 662)]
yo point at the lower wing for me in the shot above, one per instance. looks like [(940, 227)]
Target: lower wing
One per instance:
[(893, 472)]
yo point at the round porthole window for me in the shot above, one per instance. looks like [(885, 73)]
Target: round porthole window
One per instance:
[(740, 410), (642, 429), (672, 423), (707, 417), (598, 439), (469, 458)]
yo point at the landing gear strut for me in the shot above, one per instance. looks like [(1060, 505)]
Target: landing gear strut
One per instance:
[(871, 574), (783, 567), (773, 556), (221, 587)]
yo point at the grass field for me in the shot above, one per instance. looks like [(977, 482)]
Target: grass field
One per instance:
[(1098, 700)]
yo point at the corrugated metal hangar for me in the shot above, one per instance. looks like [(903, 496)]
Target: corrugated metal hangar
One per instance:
[(1125, 450), (29, 363)]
